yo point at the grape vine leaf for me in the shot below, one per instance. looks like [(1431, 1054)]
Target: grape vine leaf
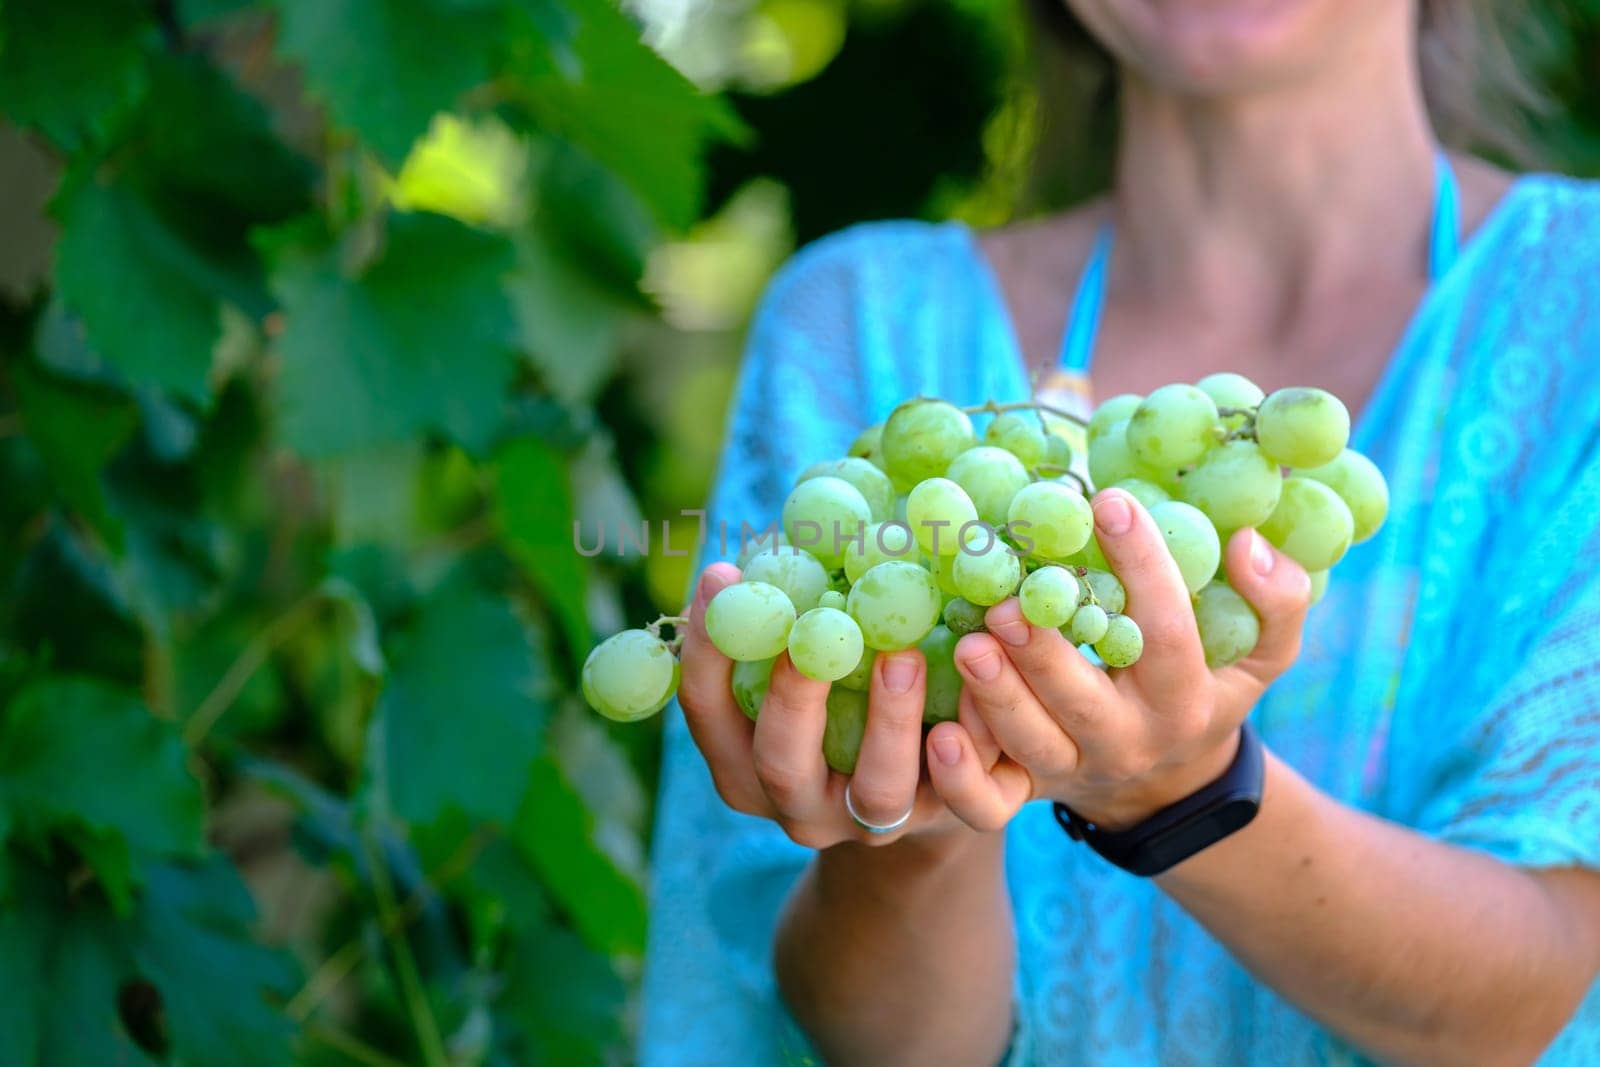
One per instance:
[(147, 299), (422, 338), (190, 936), (385, 67), (462, 716), (556, 832), (628, 108), (573, 1020), (66, 964), (140, 802), (534, 509), (76, 429), (71, 70)]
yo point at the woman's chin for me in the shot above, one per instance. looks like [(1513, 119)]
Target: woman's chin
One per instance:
[(1225, 46)]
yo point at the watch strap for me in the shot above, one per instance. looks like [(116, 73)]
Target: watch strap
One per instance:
[(1186, 827)]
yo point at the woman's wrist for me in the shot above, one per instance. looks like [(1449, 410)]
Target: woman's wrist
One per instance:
[(851, 868), (1124, 804)]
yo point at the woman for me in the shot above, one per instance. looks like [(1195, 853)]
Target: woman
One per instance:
[(1422, 880)]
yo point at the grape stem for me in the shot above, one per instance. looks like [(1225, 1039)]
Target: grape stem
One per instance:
[(993, 408), (1246, 430), (1050, 468)]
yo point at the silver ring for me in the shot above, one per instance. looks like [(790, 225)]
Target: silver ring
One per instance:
[(872, 827)]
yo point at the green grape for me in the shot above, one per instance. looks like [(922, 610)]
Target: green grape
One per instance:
[(767, 541), (1302, 427), (1236, 486), (825, 644), (943, 569), (750, 620), (869, 446), (1228, 624), (942, 695), (1090, 555), (1111, 459), (1020, 434), (882, 542), (1173, 427), (1148, 494), (797, 572), (896, 604), (873, 484), (986, 570), (1122, 644), (1049, 597), (922, 437), (1361, 486), (938, 510), (1111, 412), (1106, 589), (832, 599), (1311, 525), (1319, 585), (1088, 624), (630, 676), (963, 617), (846, 725), (1191, 539), (1057, 452), (1231, 391), (861, 676), (1058, 519), (992, 477), (831, 510), (750, 682)]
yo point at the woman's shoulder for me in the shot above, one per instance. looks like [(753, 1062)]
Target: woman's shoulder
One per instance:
[(866, 249), (1556, 209)]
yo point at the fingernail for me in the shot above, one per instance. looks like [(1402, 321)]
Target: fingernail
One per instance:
[(1261, 555), (1012, 631), (1113, 515), (898, 674), (948, 749), (986, 668)]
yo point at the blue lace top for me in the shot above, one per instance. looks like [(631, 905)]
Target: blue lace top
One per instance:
[(1450, 680)]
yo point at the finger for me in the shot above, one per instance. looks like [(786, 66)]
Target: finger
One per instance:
[(978, 731), (787, 748), (984, 800), (1074, 691), (1279, 590), (1173, 667), (1019, 723), (720, 730), (889, 764)]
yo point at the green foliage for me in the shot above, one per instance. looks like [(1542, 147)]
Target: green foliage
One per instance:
[(290, 448), (286, 449)]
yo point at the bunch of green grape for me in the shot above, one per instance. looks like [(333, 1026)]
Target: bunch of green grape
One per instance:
[(910, 538)]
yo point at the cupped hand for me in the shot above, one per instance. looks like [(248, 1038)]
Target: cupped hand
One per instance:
[(774, 767), (1117, 746)]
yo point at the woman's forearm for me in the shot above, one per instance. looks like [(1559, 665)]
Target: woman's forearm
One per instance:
[(902, 954), (1415, 950)]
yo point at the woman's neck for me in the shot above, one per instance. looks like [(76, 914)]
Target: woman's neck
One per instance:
[(1268, 199)]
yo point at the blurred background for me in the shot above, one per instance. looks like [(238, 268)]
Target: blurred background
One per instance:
[(320, 321)]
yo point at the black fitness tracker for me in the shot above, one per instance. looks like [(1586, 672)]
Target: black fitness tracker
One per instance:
[(1180, 830)]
